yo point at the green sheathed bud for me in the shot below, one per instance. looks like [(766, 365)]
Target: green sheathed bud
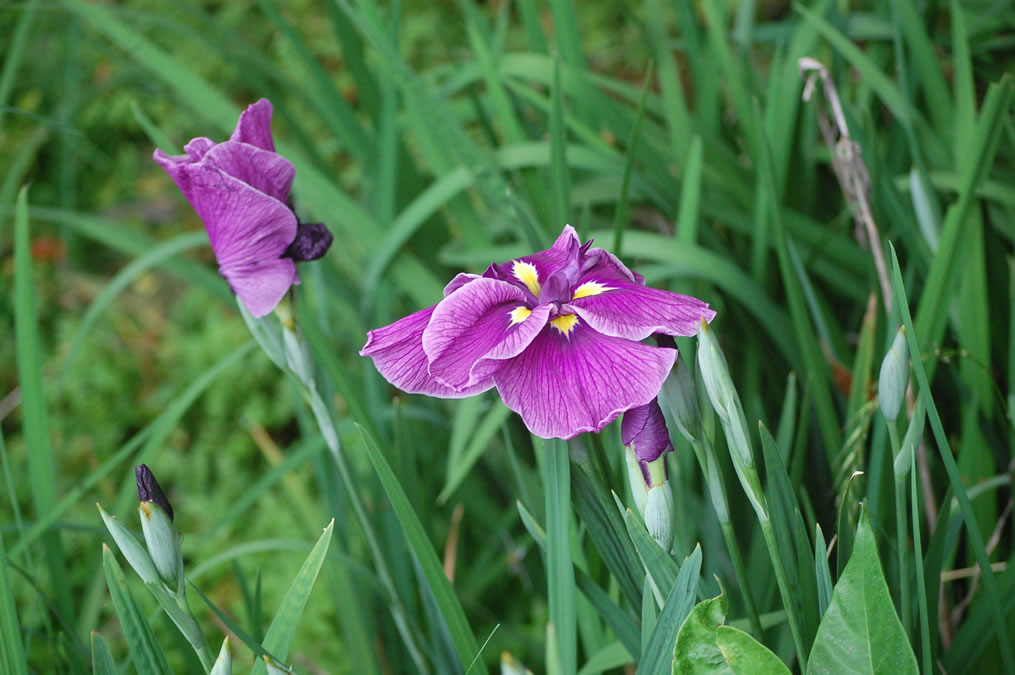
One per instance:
[(224, 662), (159, 533), (659, 515), (679, 395), (894, 377), (135, 554), (636, 477), (714, 371), (509, 665)]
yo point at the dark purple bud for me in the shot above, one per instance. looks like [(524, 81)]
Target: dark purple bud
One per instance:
[(312, 241), (149, 490), (644, 427), (664, 340)]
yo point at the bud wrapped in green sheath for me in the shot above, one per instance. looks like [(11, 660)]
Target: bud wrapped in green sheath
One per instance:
[(159, 533), (894, 377)]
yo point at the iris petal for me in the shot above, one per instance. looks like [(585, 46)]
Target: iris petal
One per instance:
[(564, 386), (644, 427), (632, 311), (474, 329), (254, 126), (397, 353)]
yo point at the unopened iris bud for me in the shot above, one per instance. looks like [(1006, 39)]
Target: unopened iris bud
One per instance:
[(894, 377), (680, 397), (131, 549), (224, 662), (714, 371), (157, 524), (637, 476), (644, 433), (509, 665)]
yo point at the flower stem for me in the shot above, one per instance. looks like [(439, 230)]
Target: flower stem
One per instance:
[(705, 453), (901, 531), (783, 583)]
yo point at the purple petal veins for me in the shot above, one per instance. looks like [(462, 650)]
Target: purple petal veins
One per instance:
[(644, 428)]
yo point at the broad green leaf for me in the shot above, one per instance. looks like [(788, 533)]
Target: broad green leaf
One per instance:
[(860, 632), (746, 656), (283, 627), (705, 645), (144, 650)]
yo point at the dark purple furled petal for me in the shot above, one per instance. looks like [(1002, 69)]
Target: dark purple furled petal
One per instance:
[(312, 241), (564, 385), (644, 428), (149, 490), (254, 126), (397, 353), (268, 172), (632, 311), (478, 326)]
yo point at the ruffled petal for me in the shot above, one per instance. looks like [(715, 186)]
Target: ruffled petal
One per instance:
[(644, 428), (563, 386), (630, 310), (476, 327), (254, 126), (397, 353), (460, 280), (268, 172)]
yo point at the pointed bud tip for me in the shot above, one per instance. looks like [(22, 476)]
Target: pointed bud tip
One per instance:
[(312, 241), (149, 490)]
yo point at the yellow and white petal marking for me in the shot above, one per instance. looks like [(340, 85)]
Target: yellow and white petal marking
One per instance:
[(589, 288), (526, 273), (519, 314), (565, 324)]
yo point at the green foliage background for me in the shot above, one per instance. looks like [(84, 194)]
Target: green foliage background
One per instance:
[(434, 138)]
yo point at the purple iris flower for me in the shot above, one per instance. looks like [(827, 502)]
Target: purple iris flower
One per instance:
[(557, 332), (644, 430), (240, 189)]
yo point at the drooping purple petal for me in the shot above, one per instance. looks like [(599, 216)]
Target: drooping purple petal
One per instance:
[(254, 126), (476, 327), (644, 427), (632, 311), (312, 241), (562, 386), (397, 353)]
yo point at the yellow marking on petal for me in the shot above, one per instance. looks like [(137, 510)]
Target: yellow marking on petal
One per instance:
[(527, 274), (589, 288), (519, 314), (565, 324)]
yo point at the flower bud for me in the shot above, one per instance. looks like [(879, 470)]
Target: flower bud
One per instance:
[(644, 430), (659, 515), (510, 666), (224, 662), (714, 371), (679, 395), (135, 554), (157, 524), (894, 377), (637, 476)]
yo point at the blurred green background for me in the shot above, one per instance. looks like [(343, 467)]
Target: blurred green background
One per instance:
[(434, 138)]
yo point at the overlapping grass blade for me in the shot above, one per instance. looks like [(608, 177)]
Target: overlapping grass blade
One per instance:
[(145, 651), (560, 572), (658, 651)]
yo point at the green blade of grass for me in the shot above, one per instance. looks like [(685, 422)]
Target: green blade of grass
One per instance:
[(102, 660), (42, 468), (560, 184), (955, 479), (620, 217), (444, 595), (145, 651), (12, 649), (658, 652), (559, 569), (14, 54), (283, 626), (662, 570)]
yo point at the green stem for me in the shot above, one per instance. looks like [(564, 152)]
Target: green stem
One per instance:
[(921, 586), (787, 599), (901, 532), (705, 453)]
